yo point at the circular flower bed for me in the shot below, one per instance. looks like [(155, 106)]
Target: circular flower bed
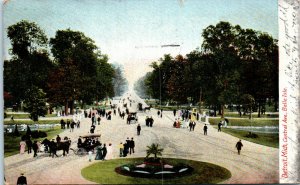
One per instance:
[(154, 170)]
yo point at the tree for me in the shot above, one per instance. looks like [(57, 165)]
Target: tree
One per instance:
[(155, 150), (35, 103), (26, 37), (30, 63), (119, 81), (89, 75), (219, 44)]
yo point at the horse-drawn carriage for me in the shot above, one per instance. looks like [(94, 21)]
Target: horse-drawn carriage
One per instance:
[(132, 117), (90, 142)]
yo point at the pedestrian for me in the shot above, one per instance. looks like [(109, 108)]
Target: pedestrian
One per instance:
[(219, 126), (151, 120), (126, 148), (174, 112), (109, 154), (53, 148), (104, 151), (190, 125), (138, 128), (90, 155), (99, 155), (239, 146), (147, 121), (158, 113), (161, 111), (68, 124), (193, 125), (72, 126), (98, 120), (29, 145), (22, 147), (205, 129), (131, 146), (58, 139), (22, 180), (79, 142), (35, 148), (121, 148)]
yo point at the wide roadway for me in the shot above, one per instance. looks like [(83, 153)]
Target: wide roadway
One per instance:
[(256, 164)]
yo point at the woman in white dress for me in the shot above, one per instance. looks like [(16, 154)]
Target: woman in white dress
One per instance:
[(22, 147)]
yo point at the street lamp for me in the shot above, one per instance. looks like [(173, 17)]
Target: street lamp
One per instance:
[(159, 87)]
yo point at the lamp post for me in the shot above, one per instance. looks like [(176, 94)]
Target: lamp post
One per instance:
[(159, 87)]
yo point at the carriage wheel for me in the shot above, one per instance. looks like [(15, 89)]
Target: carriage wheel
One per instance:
[(81, 151)]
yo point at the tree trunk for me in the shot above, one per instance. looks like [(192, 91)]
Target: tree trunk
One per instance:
[(71, 107), (222, 111), (66, 107), (219, 109), (259, 108)]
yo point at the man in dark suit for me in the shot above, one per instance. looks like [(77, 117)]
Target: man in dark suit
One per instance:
[(205, 129), (22, 180), (131, 146)]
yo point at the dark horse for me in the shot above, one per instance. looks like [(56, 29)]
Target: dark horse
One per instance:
[(147, 108), (63, 145)]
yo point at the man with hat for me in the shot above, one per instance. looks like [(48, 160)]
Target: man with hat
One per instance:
[(22, 180)]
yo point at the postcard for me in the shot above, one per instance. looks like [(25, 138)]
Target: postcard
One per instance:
[(150, 92)]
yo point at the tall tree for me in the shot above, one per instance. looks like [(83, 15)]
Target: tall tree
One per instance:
[(30, 63), (119, 81), (87, 63)]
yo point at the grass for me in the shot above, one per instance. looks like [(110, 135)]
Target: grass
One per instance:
[(254, 115), (25, 116), (11, 143), (30, 122), (246, 122), (266, 139), (104, 173)]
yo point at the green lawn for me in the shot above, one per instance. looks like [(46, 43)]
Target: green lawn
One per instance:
[(246, 122), (104, 173), (267, 139), (254, 115), (25, 116), (30, 122), (11, 143)]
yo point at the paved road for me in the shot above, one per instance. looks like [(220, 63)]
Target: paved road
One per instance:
[(256, 164)]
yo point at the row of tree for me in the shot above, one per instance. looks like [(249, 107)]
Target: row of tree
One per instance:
[(58, 70), (234, 66)]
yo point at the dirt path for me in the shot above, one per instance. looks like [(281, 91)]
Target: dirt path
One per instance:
[(256, 164)]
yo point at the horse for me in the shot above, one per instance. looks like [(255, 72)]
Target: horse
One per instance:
[(147, 108), (63, 145)]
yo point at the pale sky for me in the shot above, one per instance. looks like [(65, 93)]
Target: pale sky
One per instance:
[(131, 32)]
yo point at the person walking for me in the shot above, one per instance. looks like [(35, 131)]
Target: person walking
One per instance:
[(98, 120), (22, 180), (72, 126), (131, 146), (193, 125), (29, 145), (53, 148), (35, 148), (239, 146), (104, 151), (174, 112), (90, 155), (205, 129), (58, 139), (22, 147), (121, 148), (138, 128), (219, 126), (151, 121)]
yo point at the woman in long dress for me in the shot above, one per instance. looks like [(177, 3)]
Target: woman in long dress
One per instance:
[(22, 147), (109, 151), (99, 153)]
